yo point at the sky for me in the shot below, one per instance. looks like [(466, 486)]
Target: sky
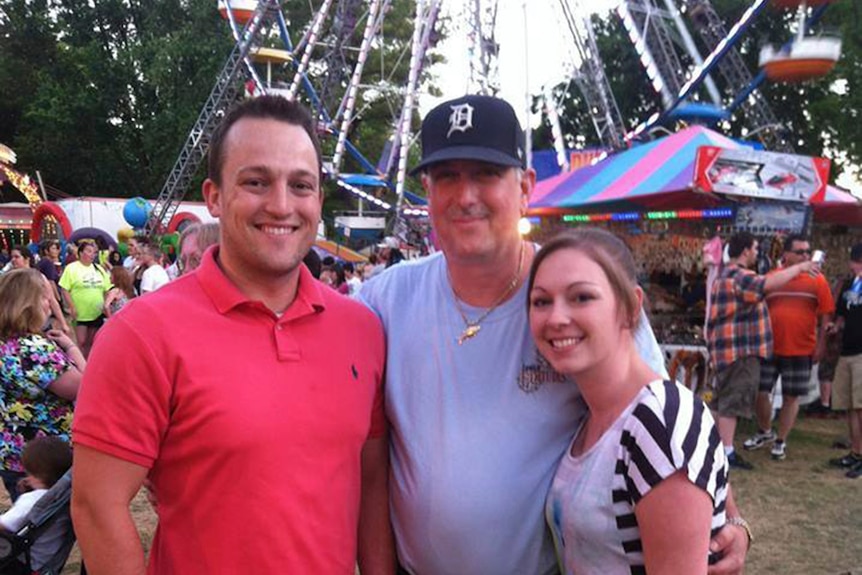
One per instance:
[(536, 62)]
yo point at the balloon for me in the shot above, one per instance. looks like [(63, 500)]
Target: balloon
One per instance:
[(136, 212), (93, 234), (124, 234)]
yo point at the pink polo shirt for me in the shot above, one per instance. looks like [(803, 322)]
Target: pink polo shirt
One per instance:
[(251, 424)]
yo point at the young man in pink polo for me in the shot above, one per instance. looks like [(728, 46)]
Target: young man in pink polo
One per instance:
[(248, 393)]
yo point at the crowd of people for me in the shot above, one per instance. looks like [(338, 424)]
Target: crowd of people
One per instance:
[(761, 327), (496, 407), (42, 358), (347, 277)]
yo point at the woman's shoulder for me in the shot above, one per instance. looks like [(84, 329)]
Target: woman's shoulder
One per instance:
[(30, 340), (663, 394), (32, 355), (665, 410)]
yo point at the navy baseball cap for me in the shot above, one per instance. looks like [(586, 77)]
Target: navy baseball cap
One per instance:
[(480, 128)]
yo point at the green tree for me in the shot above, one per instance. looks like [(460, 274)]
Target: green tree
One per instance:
[(112, 87), (100, 96)]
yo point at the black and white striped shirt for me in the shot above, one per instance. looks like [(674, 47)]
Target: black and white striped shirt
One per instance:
[(591, 504)]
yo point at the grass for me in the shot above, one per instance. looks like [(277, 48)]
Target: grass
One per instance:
[(806, 516)]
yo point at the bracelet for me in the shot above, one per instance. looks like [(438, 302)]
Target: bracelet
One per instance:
[(740, 522)]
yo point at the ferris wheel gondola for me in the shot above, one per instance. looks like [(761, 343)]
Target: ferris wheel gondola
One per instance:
[(242, 10), (806, 57)]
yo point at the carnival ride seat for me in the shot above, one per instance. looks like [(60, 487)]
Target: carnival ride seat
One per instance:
[(804, 59), (242, 10)]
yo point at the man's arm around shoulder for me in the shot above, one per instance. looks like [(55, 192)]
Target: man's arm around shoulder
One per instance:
[(731, 543), (376, 546), (777, 279), (103, 488)]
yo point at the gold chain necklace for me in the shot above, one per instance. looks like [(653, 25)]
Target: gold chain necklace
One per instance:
[(472, 327)]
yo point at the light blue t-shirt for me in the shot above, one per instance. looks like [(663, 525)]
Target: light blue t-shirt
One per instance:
[(477, 429)]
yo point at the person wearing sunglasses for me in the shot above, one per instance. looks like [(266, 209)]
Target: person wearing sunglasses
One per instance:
[(740, 336), (798, 313)]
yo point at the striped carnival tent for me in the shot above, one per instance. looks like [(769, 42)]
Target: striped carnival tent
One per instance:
[(660, 175), (838, 207), (651, 175)]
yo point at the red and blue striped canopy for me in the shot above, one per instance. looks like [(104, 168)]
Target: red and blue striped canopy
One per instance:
[(660, 167)]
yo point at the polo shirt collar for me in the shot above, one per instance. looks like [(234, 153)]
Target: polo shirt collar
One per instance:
[(226, 296)]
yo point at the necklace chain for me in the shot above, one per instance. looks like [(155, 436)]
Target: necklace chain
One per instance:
[(472, 327)]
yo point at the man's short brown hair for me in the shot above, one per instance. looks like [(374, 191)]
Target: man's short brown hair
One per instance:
[(263, 107)]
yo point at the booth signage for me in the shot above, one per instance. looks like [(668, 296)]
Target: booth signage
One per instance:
[(761, 218), (761, 175)]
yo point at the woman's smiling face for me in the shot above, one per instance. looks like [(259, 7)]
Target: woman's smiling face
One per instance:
[(575, 317)]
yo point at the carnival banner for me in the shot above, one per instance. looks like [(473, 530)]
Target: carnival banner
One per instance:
[(763, 175)]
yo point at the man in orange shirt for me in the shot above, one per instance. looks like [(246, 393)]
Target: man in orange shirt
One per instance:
[(797, 312)]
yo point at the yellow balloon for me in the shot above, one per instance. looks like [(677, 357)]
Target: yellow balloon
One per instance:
[(124, 234)]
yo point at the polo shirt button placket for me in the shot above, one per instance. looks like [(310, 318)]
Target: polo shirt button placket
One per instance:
[(286, 344)]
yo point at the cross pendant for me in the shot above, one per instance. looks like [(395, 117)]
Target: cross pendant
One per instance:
[(469, 332)]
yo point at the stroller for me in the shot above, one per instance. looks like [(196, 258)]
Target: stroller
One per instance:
[(51, 511)]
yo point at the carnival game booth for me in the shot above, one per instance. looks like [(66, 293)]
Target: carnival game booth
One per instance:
[(15, 217), (670, 197)]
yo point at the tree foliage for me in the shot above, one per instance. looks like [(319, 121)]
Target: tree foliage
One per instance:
[(100, 95)]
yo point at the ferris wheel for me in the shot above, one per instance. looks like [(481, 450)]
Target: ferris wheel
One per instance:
[(681, 76), (341, 58)]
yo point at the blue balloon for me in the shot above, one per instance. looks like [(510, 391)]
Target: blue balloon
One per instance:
[(136, 212)]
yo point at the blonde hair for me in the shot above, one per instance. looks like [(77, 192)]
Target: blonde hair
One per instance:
[(21, 293), (207, 234)]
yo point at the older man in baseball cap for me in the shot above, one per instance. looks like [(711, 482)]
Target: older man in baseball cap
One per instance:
[(479, 420)]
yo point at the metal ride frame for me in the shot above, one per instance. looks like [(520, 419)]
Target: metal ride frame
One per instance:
[(268, 15), (760, 119), (649, 30), (646, 24)]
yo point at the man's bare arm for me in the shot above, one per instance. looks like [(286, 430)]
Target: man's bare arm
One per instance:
[(731, 542), (103, 488), (376, 545)]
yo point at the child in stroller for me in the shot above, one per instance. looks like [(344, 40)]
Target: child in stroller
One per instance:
[(36, 532)]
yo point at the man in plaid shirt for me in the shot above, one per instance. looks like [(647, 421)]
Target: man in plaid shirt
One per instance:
[(739, 335)]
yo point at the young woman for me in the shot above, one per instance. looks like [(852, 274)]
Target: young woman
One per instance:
[(20, 258), (643, 484), (40, 372), (121, 292), (48, 265)]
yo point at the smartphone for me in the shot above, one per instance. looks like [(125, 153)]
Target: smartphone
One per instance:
[(818, 256)]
